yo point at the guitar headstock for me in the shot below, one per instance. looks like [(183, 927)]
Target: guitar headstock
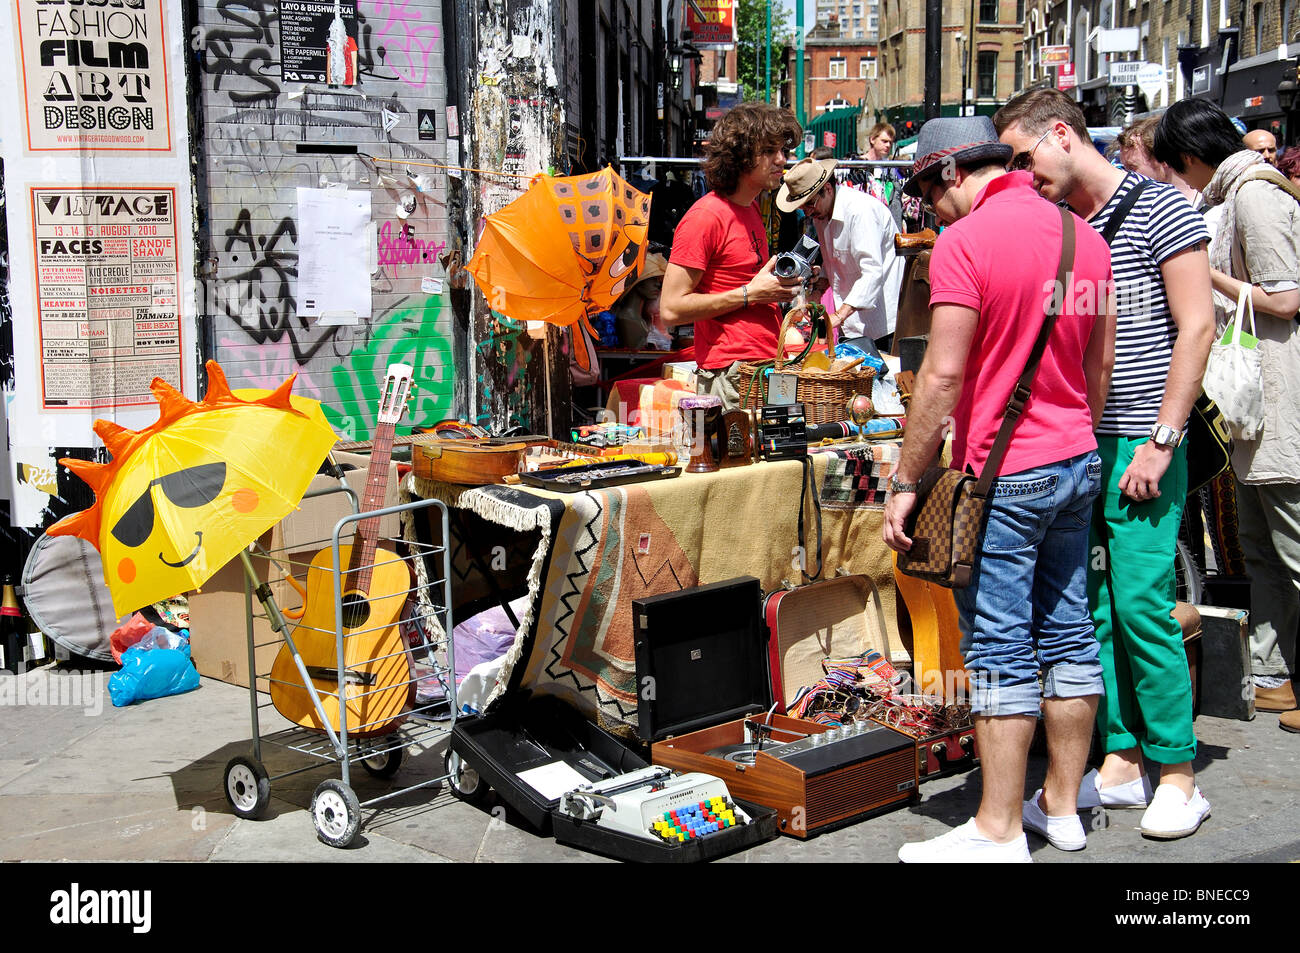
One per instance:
[(397, 387)]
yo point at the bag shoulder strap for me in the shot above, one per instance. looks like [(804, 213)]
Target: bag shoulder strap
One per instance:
[(1121, 211), (1272, 175), (1020, 393)]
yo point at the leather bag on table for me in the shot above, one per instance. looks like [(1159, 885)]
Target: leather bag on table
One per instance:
[(947, 524)]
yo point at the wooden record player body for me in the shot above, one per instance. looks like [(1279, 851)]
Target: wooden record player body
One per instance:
[(804, 803)]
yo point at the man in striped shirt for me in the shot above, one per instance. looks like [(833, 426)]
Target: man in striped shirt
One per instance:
[(1163, 336)]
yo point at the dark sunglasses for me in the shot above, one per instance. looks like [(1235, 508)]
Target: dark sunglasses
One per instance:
[(188, 488), (1022, 161)]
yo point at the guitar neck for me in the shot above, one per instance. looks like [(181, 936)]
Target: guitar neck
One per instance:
[(361, 565)]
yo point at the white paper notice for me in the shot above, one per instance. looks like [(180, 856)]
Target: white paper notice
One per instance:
[(552, 780), (333, 283), (453, 158), (431, 286)]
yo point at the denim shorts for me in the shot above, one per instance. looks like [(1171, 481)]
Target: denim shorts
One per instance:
[(1025, 612)]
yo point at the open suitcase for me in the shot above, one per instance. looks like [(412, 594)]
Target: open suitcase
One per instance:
[(535, 750), (703, 654)]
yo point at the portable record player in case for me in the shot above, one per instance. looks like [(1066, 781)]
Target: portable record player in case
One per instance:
[(526, 748), (701, 657)]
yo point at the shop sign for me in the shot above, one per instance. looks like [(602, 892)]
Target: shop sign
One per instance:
[(1054, 55), (712, 24)]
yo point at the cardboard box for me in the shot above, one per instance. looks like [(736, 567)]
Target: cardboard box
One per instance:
[(683, 371), (218, 621)]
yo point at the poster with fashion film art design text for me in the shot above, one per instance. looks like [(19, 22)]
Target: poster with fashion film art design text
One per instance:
[(94, 76)]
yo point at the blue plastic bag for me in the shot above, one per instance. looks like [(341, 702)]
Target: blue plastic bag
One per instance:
[(152, 673)]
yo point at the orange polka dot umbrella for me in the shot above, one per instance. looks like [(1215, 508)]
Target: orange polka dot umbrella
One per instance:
[(565, 249), (180, 498)]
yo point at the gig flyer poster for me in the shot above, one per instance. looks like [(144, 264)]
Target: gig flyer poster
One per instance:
[(107, 281), (94, 76), (318, 41)]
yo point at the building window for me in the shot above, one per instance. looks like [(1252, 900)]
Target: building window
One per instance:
[(867, 67), (839, 68), (1259, 27), (988, 74), (1019, 82), (988, 11), (1020, 11), (1288, 8)]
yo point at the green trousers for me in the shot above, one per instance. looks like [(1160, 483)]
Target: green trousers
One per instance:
[(1148, 700)]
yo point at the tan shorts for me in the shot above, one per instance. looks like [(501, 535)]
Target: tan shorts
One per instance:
[(724, 383)]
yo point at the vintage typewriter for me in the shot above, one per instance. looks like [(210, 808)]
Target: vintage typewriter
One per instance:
[(658, 804)]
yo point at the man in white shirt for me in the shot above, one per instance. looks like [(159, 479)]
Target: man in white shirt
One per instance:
[(856, 233)]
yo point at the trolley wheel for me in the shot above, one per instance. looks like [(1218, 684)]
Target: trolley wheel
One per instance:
[(248, 788), (464, 780), (336, 813), (380, 765)]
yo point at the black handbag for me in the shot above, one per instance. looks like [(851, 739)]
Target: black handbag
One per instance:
[(1209, 443)]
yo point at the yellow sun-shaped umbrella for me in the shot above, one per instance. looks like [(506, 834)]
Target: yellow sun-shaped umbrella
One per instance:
[(181, 498)]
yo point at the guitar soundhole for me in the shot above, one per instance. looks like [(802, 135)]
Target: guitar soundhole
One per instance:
[(356, 610)]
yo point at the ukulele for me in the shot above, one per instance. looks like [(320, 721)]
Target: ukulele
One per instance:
[(378, 684)]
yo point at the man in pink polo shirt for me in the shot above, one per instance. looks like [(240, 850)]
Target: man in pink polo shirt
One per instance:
[(992, 275)]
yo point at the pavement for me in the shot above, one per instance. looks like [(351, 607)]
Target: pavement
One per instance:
[(83, 781)]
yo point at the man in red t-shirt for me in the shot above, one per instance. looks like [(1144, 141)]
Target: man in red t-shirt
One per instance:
[(719, 274)]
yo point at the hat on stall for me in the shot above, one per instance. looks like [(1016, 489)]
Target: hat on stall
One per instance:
[(802, 181), (944, 143)]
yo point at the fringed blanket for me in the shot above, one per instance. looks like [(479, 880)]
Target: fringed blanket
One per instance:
[(602, 549)]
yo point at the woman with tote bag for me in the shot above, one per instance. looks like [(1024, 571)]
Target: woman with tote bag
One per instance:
[(1255, 258)]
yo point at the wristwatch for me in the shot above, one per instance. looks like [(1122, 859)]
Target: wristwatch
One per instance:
[(898, 486), (1163, 436)]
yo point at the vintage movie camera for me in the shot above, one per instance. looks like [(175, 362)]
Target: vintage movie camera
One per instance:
[(799, 261)]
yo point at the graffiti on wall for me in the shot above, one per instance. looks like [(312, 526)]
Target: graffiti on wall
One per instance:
[(263, 139)]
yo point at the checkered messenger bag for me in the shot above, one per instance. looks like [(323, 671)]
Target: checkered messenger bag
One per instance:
[(947, 525)]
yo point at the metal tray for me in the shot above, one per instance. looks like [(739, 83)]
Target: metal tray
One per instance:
[(594, 476)]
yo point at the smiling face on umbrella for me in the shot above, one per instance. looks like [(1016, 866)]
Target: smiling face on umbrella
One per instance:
[(181, 497)]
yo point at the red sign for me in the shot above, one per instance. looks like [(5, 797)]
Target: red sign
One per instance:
[(828, 140), (1065, 76), (717, 28)]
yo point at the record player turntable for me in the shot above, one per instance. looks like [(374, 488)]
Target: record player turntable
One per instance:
[(704, 651)]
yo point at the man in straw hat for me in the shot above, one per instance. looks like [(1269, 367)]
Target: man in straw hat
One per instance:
[(992, 276), (719, 274), (856, 233)]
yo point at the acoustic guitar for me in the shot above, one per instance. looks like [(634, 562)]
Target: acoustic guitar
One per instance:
[(378, 684)]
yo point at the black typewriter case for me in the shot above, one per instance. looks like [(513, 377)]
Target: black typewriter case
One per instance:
[(529, 731)]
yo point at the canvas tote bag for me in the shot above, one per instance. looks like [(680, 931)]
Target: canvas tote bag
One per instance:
[(1232, 374)]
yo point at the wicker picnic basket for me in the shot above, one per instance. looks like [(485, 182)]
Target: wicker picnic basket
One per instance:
[(822, 393)]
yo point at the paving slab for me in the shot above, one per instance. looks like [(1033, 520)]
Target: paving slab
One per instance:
[(145, 783)]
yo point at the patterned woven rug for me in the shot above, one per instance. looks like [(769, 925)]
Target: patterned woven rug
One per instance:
[(858, 476)]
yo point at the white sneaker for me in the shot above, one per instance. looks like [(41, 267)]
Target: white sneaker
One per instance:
[(1171, 815), (1063, 833), (1133, 794), (965, 845)]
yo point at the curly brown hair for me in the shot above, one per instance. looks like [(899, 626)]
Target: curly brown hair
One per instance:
[(740, 136)]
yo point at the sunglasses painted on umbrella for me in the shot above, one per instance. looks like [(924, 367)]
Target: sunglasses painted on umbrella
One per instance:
[(188, 488)]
